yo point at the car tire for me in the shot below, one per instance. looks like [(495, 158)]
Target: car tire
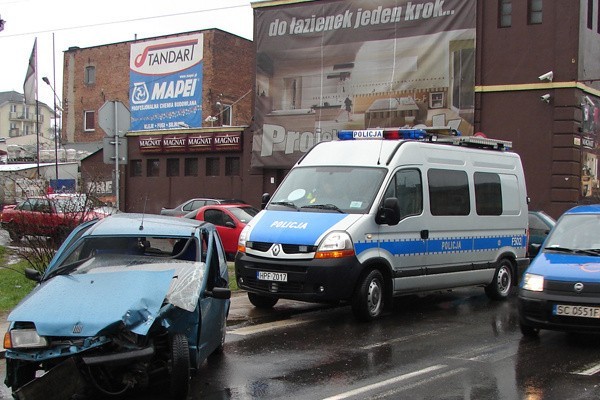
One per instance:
[(501, 285), (259, 301), (22, 373), (368, 298), (529, 331), (13, 233), (179, 371)]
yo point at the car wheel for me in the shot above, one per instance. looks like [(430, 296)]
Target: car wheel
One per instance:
[(529, 331), (500, 287), (179, 367), (21, 372), (14, 234), (367, 301), (259, 301)]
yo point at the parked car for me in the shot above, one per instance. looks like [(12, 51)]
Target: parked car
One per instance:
[(127, 301), (229, 219), (194, 204), (559, 290), (540, 225), (53, 215)]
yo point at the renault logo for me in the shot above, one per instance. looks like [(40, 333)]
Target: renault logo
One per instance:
[(276, 249), (77, 328), (578, 287)]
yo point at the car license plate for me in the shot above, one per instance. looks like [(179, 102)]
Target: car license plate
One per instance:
[(576, 311), (272, 276)]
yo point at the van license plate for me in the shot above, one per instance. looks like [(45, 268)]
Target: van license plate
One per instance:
[(576, 311), (272, 276)]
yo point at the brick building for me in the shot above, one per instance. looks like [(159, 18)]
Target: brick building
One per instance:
[(205, 153)]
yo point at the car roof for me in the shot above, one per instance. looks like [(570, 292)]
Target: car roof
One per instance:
[(146, 224), (585, 209)]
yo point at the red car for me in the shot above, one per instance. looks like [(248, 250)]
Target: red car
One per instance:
[(54, 215), (229, 219)]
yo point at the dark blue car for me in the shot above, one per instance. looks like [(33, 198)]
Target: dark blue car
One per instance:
[(561, 288), (127, 301)]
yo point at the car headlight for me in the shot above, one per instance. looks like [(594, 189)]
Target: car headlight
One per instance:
[(533, 282), (335, 245), (243, 238), (24, 339)]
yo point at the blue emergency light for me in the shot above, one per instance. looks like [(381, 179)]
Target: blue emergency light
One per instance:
[(392, 134)]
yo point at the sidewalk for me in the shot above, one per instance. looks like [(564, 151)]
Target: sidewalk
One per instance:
[(241, 312)]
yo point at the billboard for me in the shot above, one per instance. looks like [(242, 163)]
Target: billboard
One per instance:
[(329, 65), (165, 90)]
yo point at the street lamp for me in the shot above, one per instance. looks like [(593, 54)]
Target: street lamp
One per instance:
[(47, 81)]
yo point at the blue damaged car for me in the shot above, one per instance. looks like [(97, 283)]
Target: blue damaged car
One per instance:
[(127, 302), (561, 288)]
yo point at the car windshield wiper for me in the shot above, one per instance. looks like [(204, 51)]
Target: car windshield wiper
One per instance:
[(324, 207), (591, 252), (284, 203), (560, 249), (67, 268)]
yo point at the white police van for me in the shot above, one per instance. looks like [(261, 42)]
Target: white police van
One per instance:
[(383, 213)]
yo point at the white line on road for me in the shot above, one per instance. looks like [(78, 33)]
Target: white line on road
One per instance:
[(589, 371), (251, 330), (386, 382)]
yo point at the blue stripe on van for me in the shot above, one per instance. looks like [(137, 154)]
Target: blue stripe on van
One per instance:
[(443, 245)]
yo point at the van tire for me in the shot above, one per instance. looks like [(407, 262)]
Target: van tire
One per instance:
[(367, 301), (501, 285), (259, 301)]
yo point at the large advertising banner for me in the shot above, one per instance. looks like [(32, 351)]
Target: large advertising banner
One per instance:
[(165, 90), (329, 65)]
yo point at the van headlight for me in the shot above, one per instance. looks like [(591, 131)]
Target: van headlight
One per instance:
[(244, 235), (24, 339), (533, 282), (335, 245)]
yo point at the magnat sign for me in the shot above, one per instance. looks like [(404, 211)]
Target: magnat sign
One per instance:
[(191, 143)]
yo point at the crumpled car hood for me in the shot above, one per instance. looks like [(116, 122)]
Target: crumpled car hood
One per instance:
[(83, 305)]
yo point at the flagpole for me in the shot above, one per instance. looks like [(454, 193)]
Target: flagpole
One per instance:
[(37, 111)]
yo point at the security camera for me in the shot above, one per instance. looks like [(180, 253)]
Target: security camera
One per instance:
[(547, 76), (545, 98)]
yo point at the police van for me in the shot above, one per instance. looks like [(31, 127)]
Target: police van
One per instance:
[(388, 212)]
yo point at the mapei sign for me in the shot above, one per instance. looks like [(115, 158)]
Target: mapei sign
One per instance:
[(165, 83), (193, 143)]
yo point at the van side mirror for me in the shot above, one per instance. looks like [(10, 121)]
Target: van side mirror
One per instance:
[(264, 200), (389, 212)]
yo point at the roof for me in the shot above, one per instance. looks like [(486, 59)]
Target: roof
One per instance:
[(15, 97), (145, 225), (24, 167)]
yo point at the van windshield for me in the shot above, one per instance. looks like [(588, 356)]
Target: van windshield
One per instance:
[(350, 190)]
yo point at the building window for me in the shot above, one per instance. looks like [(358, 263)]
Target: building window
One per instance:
[(590, 14), (88, 121), (152, 167), (191, 167), (212, 166), (135, 168), (90, 75), (534, 11), (504, 13), (232, 166), (26, 112), (172, 166), (13, 108), (226, 114)]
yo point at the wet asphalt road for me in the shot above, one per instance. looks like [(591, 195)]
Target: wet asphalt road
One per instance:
[(457, 345)]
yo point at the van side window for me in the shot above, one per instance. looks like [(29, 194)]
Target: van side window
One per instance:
[(448, 192), (488, 193), (406, 186)]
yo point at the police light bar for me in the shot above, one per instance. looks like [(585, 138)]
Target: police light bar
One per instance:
[(395, 134)]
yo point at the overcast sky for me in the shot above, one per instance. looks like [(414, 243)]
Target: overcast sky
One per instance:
[(85, 24)]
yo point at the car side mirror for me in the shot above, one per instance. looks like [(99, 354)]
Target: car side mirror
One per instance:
[(33, 274), (264, 200), (389, 212), (219, 293)]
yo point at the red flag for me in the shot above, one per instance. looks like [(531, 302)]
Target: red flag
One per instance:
[(30, 84)]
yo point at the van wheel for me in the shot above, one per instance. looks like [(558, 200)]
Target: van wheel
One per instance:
[(259, 301), (367, 301), (499, 288)]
